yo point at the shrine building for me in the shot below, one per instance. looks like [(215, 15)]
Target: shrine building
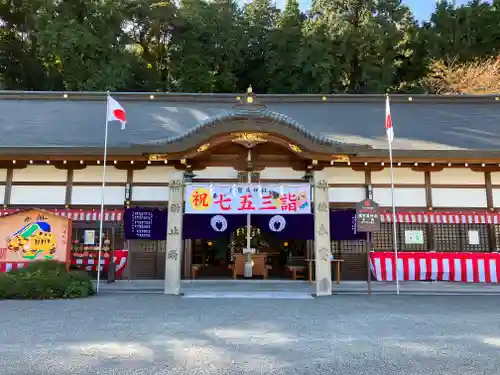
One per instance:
[(328, 152)]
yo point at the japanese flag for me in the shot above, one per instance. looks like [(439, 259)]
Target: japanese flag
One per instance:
[(116, 112), (388, 121)]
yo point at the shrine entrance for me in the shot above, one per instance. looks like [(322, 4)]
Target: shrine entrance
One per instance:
[(216, 258), (247, 230)]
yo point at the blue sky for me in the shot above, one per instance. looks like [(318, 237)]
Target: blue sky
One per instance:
[(422, 9)]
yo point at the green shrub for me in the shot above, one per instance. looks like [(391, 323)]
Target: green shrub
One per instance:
[(45, 280)]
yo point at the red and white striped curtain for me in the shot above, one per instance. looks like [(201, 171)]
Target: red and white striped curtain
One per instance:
[(436, 266), (430, 217), (78, 215)]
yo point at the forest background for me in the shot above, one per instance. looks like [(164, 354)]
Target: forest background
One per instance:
[(337, 46)]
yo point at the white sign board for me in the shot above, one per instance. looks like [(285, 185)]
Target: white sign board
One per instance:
[(254, 199), (89, 237), (414, 237), (473, 237)]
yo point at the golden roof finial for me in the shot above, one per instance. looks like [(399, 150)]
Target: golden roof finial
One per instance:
[(249, 102)]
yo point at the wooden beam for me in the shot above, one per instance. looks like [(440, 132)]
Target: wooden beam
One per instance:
[(489, 190), (428, 200), (130, 182), (69, 187), (8, 187), (428, 189), (492, 240)]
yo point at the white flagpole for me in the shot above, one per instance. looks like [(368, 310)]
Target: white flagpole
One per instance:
[(102, 194), (248, 264), (395, 240)]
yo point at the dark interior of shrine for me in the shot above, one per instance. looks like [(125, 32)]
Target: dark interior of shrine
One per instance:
[(216, 256)]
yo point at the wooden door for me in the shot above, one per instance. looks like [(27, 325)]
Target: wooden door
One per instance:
[(148, 259)]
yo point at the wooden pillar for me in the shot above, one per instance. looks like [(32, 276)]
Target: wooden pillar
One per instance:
[(188, 258), (8, 187), (368, 184), (431, 243), (69, 187), (492, 238), (174, 235)]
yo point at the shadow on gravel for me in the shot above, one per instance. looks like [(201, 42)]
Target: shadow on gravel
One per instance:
[(167, 335)]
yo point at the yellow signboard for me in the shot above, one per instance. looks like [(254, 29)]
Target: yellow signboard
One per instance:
[(34, 235)]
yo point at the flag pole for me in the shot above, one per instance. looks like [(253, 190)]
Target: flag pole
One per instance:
[(249, 257), (395, 241), (102, 194)]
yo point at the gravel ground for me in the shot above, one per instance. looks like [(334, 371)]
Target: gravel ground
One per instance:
[(155, 334)]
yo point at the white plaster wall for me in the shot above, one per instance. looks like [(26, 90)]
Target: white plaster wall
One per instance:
[(346, 195), (2, 194), (401, 176), (217, 173), (458, 176), (39, 173), (495, 178), (284, 173), (403, 197), (3, 175), (150, 193), (94, 174), (158, 174), (38, 195), (91, 195), (344, 176), (470, 197), (496, 197)]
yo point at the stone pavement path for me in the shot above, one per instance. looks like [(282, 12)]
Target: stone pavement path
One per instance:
[(302, 287), (156, 334)]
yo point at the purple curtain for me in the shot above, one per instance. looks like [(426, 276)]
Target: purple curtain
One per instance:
[(286, 227), (145, 224), (206, 227), (343, 226)]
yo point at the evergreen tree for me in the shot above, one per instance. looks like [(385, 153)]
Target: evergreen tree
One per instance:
[(353, 46)]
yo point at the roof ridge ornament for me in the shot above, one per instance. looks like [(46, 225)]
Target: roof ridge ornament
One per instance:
[(249, 103), (249, 139)]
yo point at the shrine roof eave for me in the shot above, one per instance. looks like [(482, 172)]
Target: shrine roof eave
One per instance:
[(254, 121), (483, 155), (141, 152), (175, 97)]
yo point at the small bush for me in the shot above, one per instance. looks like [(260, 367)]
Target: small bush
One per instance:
[(45, 280), (481, 76)]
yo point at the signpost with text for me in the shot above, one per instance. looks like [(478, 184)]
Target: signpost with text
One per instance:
[(368, 220)]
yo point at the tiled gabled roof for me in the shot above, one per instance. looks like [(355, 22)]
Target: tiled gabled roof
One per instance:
[(424, 124)]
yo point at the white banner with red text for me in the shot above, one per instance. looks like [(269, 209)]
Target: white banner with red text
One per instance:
[(248, 199), (434, 266)]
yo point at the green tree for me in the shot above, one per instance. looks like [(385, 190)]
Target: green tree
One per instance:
[(317, 58), (150, 25), (285, 64), (190, 48), (260, 18), (228, 44), (21, 65), (84, 41), (368, 41), (465, 32), (353, 46)]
